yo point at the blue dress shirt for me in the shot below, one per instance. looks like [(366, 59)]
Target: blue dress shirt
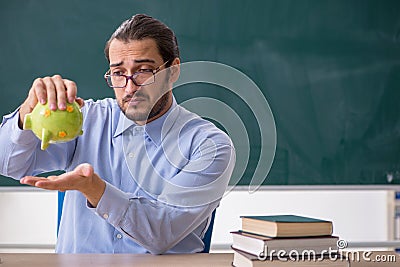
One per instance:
[(163, 179)]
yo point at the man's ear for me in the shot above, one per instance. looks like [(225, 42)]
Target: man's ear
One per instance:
[(175, 70)]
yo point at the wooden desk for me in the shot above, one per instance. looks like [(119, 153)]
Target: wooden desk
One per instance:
[(114, 260), (125, 260)]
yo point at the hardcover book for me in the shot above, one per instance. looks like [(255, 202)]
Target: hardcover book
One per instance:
[(257, 244), (243, 259), (286, 226)]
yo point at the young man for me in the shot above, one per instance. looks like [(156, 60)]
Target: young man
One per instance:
[(146, 174)]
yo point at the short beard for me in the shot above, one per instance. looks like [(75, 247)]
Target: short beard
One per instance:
[(158, 108)]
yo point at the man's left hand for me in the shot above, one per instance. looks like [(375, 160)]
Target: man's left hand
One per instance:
[(82, 178)]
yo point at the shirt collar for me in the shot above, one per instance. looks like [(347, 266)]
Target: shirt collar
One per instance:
[(153, 128)]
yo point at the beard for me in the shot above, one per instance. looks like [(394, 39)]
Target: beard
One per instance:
[(133, 113)]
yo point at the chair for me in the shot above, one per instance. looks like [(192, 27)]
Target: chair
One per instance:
[(207, 236), (206, 239)]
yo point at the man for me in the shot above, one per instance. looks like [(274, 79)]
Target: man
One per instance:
[(146, 174)]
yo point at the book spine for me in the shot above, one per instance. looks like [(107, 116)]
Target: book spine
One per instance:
[(397, 219)]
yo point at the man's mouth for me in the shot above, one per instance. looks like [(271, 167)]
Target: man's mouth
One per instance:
[(135, 101)]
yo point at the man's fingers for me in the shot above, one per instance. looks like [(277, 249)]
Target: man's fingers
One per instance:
[(80, 101), (38, 91), (66, 181), (51, 92), (55, 90), (31, 180), (31, 101), (49, 183), (60, 89), (71, 90), (84, 169)]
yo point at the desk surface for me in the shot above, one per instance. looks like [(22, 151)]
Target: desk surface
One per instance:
[(125, 260), (117, 260)]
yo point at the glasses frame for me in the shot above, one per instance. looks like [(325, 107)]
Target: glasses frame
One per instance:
[(132, 77)]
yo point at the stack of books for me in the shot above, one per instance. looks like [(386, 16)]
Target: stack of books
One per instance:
[(285, 240)]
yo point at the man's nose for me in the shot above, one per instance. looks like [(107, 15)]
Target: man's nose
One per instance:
[(131, 87)]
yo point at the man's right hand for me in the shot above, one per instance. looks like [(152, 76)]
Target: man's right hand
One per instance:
[(55, 90)]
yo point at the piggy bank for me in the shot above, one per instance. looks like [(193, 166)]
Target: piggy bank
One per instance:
[(54, 126)]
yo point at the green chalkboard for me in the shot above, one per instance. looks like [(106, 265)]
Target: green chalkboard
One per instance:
[(330, 71)]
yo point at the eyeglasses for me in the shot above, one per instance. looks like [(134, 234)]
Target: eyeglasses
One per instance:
[(140, 78)]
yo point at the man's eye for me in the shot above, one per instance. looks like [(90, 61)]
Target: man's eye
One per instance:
[(117, 73), (145, 70)]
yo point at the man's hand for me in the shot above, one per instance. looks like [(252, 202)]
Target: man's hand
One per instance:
[(83, 179), (55, 90)]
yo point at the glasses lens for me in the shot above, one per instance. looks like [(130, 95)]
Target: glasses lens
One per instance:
[(116, 81), (144, 78), (120, 81)]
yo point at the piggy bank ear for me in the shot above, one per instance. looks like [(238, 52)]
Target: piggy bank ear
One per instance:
[(27, 122), (46, 137)]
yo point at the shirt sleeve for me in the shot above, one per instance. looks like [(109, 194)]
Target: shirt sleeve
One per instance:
[(21, 153), (16, 135), (154, 225), (159, 224)]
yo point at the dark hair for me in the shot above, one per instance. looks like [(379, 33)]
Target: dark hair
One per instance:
[(142, 26)]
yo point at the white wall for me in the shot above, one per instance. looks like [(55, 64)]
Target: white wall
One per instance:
[(357, 215), (29, 218)]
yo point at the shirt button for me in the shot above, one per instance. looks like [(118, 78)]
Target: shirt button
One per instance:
[(105, 216), (119, 236), (131, 155)]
